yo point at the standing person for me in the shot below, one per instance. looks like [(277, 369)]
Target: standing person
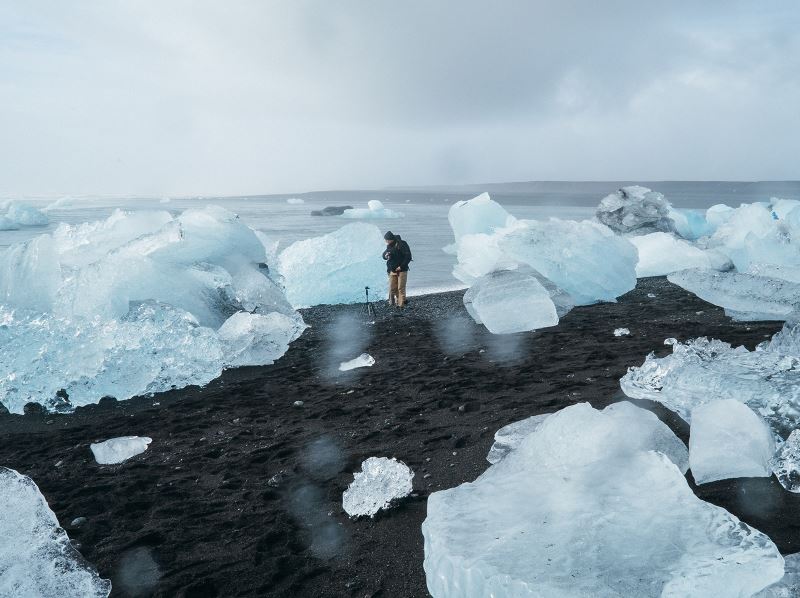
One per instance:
[(398, 257)]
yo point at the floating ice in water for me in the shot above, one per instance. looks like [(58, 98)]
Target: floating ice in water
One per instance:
[(621, 332), (789, 585), (786, 463), (131, 305), (663, 253), (507, 438), (21, 214), (744, 296), (478, 215), (728, 440), (117, 450), (582, 509), (635, 210), (365, 360), (374, 209), (379, 482), (703, 370), (508, 301), (335, 268), (36, 556), (295, 201)]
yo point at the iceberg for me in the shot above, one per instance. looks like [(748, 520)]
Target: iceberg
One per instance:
[(134, 304), (335, 268), (663, 253), (294, 201), (509, 437), (374, 209), (635, 210), (743, 296), (365, 360), (480, 214), (117, 450), (727, 440), (582, 508), (380, 482), (701, 370), (789, 585), (508, 301), (21, 214), (36, 556)]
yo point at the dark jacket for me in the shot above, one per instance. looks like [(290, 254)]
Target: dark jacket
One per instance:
[(398, 254)]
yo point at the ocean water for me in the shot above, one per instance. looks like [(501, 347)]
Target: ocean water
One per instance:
[(424, 224)]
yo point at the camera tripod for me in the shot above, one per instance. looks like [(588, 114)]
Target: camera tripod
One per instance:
[(367, 309)]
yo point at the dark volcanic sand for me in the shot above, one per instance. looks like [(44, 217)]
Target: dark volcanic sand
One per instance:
[(199, 504)]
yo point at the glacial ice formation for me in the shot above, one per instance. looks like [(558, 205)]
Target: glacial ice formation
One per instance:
[(480, 214), (663, 253), (379, 482), (374, 209), (690, 224), (335, 268), (508, 301), (786, 462), (789, 585), (583, 508), (36, 556), (702, 370), (635, 210), (509, 437), (132, 304), (744, 296), (365, 360), (117, 450), (728, 440), (18, 214)]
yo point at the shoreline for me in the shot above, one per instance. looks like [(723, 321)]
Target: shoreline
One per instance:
[(240, 493)]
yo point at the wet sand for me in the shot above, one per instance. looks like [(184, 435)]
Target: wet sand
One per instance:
[(240, 491)]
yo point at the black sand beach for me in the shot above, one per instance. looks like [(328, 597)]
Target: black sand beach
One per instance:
[(240, 491)]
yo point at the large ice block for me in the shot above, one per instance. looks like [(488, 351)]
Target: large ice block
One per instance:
[(480, 214), (690, 224), (509, 301), (380, 482), (22, 214), (36, 556), (255, 339), (663, 253), (509, 437), (789, 585), (744, 296), (335, 268), (374, 209), (635, 210), (580, 508), (728, 440)]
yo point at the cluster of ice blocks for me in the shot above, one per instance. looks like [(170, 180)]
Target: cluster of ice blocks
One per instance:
[(140, 302)]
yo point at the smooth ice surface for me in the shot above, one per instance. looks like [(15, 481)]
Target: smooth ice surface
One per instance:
[(117, 450), (365, 360), (635, 210), (582, 508), (380, 481), (507, 438), (374, 209), (744, 296), (786, 463), (335, 268), (622, 332), (36, 557), (508, 301), (132, 304), (663, 253), (728, 440), (789, 585), (703, 370), (480, 214)]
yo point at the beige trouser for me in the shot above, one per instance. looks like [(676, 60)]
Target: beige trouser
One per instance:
[(397, 288)]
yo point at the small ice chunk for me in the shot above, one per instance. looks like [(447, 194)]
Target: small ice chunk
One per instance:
[(663, 253), (635, 210), (728, 440), (789, 585), (117, 450), (507, 438), (786, 463), (745, 296), (374, 209), (295, 201), (365, 360), (509, 301), (379, 482), (621, 332), (36, 556)]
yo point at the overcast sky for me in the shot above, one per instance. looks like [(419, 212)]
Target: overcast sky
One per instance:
[(164, 97)]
